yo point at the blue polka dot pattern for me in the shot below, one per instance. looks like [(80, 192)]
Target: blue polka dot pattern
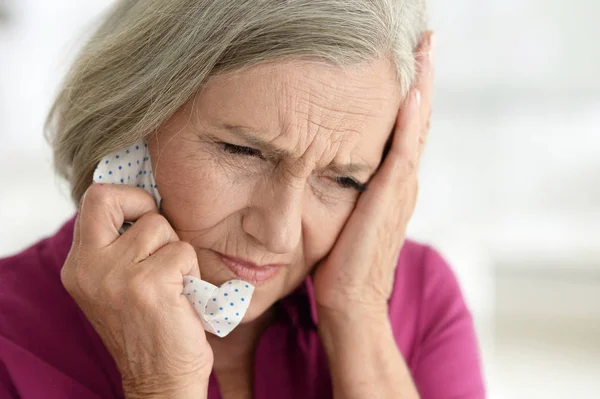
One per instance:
[(224, 306), (121, 171)]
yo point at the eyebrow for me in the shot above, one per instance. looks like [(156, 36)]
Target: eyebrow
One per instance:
[(265, 146)]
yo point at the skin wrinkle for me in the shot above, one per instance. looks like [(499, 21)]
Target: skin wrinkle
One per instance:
[(287, 210), (211, 194), (363, 104), (331, 147), (325, 107), (156, 168)]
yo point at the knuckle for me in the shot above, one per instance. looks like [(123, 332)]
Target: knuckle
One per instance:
[(154, 220), (96, 194), (157, 223), (99, 200), (183, 252)]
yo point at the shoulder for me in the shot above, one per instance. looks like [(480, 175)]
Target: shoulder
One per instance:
[(31, 289), (36, 312), (435, 288), (423, 263), (31, 278), (422, 278), (42, 330)]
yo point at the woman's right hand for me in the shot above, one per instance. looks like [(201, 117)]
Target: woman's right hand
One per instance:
[(130, 288)]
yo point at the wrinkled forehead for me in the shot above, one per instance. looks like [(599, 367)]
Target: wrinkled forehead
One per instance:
[(291, 102)]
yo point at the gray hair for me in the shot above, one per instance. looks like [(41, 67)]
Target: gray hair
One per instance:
[(147, 58)]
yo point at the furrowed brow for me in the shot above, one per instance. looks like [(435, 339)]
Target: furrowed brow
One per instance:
[(254, 140)]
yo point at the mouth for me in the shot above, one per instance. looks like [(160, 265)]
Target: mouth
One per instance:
[(249, 271)]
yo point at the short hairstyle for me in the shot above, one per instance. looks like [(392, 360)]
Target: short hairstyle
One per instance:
[(147, 58)]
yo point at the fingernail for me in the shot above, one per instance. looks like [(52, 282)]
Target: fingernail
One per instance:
[(418, 97), (126, 225)]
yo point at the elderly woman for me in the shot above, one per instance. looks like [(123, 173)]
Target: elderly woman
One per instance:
[(280, 143)]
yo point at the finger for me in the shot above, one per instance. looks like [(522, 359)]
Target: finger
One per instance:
[(174, 261), (404, 151), (104, 209), (76, 228), (399, 165), (146, 236), (424, 81)]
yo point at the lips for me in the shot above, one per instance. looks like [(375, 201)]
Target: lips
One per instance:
[(250, 272)]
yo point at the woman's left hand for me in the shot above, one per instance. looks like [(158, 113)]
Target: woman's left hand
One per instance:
[(354, 282), (357, 276)]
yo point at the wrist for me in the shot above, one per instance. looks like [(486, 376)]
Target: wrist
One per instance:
[(363, 355), (354, 315), (340, 329)]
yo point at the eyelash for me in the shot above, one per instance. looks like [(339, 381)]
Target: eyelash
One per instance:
[(348, 182), (236, 149), (344, 182)]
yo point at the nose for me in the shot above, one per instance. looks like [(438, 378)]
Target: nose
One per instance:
[(274, 218)]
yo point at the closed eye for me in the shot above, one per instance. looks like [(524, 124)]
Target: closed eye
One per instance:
[(342, 181), (241, 150), (348, 182)]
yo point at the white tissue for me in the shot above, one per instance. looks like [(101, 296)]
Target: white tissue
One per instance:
[(220, 308)]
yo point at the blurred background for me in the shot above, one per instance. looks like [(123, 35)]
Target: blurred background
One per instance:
[(510, 181)]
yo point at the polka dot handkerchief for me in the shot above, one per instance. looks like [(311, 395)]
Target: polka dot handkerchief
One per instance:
[(129, 166), (220, 308)]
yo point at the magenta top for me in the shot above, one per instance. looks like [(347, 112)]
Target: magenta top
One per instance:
[(48, 349)]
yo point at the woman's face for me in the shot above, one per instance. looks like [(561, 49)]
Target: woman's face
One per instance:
[(266, 165)]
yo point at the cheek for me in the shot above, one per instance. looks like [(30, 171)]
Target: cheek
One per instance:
[(322, 226), (197, 193)]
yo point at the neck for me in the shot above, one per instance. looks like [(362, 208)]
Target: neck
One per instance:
[(237, 349)]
